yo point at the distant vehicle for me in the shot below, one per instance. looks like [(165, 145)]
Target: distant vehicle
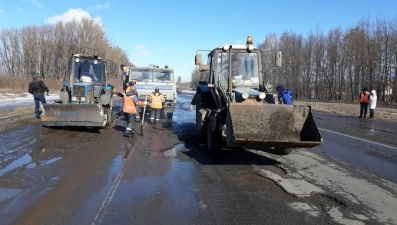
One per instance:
[(234, 105), (148, 78), (85, 98)]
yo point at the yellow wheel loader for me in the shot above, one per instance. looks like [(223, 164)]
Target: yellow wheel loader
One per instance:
[(85, 98), (235, 109)]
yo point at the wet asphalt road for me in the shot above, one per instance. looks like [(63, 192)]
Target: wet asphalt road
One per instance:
[(74, 176), (366, 144)]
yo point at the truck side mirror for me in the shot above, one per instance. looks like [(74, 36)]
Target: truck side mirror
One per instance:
[(198, 59), (204, 68), (278, 58)]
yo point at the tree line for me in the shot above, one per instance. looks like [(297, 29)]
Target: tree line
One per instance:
[(46, 49), (336, 65)]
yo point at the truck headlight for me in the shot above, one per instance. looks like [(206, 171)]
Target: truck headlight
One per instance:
[(82, 99), (245, 95), (74, 98), (262, 95)]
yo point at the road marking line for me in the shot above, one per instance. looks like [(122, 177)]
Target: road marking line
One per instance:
[(373, 142), (112, 190)]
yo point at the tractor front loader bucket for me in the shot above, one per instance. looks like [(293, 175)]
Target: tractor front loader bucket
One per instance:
[(82, 115), (271, 125)]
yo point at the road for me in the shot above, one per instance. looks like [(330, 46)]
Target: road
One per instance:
[(87, 176)]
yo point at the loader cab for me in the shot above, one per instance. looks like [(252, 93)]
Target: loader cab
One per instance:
[(86, 79), (244, 66), (89, 70), (86, 69)]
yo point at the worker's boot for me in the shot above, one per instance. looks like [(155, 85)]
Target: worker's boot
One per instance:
[(128, 133)]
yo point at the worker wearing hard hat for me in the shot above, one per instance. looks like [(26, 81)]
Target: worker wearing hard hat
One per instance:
[(157, 102), (130, 105), (131, 87)]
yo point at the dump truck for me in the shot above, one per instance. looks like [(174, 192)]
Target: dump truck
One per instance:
[(234, 107), (148, 78), (85, 98)]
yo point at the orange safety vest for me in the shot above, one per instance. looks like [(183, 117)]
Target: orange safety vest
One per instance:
[(364, 97), (129, 104), (156, 100)]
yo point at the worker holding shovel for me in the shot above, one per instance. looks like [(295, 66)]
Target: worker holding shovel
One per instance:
[(130, 105)]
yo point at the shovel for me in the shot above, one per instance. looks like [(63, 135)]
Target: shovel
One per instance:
[(143, 117)]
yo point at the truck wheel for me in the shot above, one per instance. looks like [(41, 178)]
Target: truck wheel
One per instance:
[(169, 115), (282, 151), (214, 136)]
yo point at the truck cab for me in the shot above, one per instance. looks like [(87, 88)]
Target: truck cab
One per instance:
[(148, 78)]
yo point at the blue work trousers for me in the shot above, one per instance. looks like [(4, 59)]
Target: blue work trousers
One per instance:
[(38, 97)]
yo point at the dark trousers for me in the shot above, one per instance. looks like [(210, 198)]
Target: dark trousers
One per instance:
[(129, 117), (371, 113), (155, 114), (363, 109), (38, 97)]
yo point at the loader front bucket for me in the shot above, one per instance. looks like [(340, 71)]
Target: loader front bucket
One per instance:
[(82, 115), (271, 125)]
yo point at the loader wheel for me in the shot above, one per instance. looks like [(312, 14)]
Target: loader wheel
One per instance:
[(214, 136), (169, 115), (282, 151), (109, 116)]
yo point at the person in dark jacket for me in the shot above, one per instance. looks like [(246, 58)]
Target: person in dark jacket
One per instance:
[(37, 89)]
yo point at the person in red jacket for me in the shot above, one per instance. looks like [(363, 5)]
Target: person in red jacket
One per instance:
[(157, 102), (364, 99)]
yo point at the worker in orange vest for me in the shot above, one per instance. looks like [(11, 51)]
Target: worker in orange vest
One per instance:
[(130, 103), (131, 87), (157, 102), (364, 99)]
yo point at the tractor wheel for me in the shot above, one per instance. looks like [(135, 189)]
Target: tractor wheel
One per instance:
[(200, 131), (109, 111), (108, 116), (169, 115), (214, 136), (282, 151)]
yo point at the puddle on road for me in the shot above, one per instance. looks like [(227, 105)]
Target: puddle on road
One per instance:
[(174, 151), (26, 160), (42, 163), (6, 193)]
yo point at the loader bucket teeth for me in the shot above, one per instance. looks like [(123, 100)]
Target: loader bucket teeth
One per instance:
[(271, 125), (58, 115)]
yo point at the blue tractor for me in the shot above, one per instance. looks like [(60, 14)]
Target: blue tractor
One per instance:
[(85, 98)]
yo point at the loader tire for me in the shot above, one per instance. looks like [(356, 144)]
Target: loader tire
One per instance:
[(214, 136), (282, 151), (169, 116), (109, 111), (109, 116)]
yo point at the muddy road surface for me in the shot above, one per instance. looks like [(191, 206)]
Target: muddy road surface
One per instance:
[(89, 176)]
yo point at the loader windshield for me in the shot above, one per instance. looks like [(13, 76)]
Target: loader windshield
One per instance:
[(245, 70), (89, 70), (152, 75)]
